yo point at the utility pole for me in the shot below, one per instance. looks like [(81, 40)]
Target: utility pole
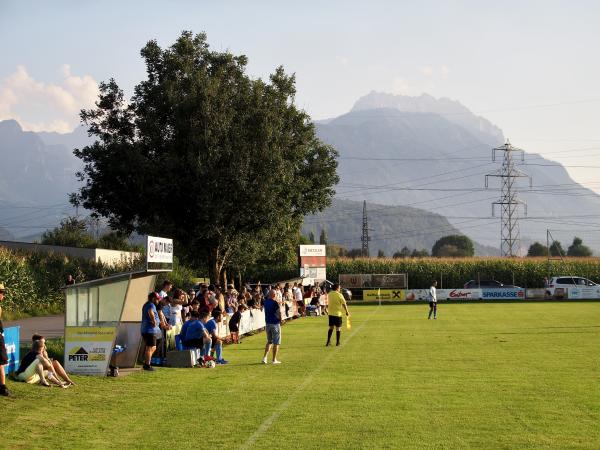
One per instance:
[(365, 232), (509, 203)]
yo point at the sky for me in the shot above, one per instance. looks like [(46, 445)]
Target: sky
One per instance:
[(530, 67)]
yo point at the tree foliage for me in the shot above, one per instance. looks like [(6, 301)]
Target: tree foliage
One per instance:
[(556, 249), (323, 237), (578, 249), (537, 249), (72, 232), (453, 246), (206, 155)]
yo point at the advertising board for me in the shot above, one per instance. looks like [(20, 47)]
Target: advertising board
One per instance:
[(458, 294), (503, 294), (159, 253), (88, 349), (383, 294), (12, 342), (313, 250), (443, 294), (584, 292)]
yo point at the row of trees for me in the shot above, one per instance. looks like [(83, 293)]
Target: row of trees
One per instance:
[(576, 249), (460, 246)]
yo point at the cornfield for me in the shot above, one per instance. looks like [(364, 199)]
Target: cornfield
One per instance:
[(454, 272)]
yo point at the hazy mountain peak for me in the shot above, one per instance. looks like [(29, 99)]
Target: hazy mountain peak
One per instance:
[(452, 110), (10, 126)]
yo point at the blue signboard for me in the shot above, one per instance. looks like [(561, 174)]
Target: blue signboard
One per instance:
[(503, 293), (11, 340)]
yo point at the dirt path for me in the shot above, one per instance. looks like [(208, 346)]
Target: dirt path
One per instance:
[(48, 326)]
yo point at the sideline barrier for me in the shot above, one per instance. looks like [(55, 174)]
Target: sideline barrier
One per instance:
[(12, 343), (254, 319)]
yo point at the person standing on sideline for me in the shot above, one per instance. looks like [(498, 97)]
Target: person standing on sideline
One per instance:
[(337, 305), (3, 354), (272, 309), (150, 328), (433, 300)]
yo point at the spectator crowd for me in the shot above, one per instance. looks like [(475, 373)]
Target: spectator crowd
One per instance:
[(175, 318)]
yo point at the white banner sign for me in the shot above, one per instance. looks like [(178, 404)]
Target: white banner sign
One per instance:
[(159, 250), (443, 294), (88, 349), (584, 292), (313, 250)]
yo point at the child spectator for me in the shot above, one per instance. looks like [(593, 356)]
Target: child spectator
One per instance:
[(234, 324)]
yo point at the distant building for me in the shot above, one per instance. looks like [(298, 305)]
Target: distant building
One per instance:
[(109, 257)]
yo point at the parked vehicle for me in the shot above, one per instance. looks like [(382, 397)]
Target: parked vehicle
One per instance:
[(557, 286), (487, 284)]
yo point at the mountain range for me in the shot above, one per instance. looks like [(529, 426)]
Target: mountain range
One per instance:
[(434, 155), (419, 162)]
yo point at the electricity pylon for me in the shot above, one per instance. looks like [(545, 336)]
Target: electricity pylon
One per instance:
[(365, 232), (509, 203)]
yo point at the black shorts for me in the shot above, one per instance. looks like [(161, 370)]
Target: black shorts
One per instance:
[(194, 343), (149, 339), (3, 354), (335, 321), (233, 328), (432, 304)]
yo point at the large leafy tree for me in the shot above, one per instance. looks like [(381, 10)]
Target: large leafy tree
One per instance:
[(537, 249), (453, 245), (204, 154), (578, 249)]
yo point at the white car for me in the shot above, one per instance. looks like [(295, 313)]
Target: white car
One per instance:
[(558, 286)]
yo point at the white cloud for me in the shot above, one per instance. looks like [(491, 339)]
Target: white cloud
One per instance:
[(445, 71), (39, 106), (427, 71)]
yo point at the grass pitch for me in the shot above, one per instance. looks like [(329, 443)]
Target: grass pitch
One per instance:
[(481, 376)]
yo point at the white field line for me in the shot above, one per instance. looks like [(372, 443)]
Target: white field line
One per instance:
[(264, 427)]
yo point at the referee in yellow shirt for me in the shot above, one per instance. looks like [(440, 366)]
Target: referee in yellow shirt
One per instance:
[(337, 305)]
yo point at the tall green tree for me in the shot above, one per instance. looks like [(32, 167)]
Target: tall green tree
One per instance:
[(537, 249), (578, 249), (204, 154), (454, 245), (323, 237), (556, 249), (72, 232)]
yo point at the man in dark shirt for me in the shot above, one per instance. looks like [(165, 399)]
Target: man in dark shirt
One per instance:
[(3, 354), (273, 326)]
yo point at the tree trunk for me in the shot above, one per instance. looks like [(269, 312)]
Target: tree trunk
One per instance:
[(224, 279), (214, 266)]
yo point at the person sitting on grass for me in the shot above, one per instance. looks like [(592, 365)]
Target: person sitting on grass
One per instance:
[(212, 326), (56, 365), (234, 324), (34, 367)]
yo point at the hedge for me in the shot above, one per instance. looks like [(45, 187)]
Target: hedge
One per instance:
[(33, 280)]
